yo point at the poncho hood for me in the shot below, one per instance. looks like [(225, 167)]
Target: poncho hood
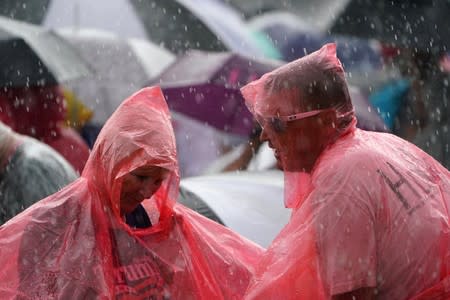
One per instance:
[(139, 133)]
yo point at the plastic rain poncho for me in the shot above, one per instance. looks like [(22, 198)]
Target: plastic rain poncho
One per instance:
[(372, 213), (29, 171), (75, 245)]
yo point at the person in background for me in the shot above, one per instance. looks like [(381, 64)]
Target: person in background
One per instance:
[(6, 112), (387, 87), (79, 118), (77, 114), (370, 216), (117, 232), (239, 157), (424, 115), (39, 112), (29, 171)]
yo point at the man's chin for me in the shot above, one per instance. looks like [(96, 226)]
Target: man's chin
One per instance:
[(291, 166), (279, 164)]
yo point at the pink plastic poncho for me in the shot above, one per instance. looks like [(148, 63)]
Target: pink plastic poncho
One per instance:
[(75, 245), (373, 212)]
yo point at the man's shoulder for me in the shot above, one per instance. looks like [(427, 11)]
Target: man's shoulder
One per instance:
[(352, 161), (350, 156)]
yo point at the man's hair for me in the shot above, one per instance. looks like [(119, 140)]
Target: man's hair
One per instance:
[(322, 88), (315, 81)]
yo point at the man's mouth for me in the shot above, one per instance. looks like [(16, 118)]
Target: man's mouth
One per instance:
[(276, 153)]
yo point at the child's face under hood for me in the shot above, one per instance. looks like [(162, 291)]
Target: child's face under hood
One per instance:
[(137, 139)]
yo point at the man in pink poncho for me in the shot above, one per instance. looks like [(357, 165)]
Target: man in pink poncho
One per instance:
[(370, 211)]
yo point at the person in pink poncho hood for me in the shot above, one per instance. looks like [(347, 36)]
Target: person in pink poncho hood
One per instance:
[(370, 211), (117, 232)]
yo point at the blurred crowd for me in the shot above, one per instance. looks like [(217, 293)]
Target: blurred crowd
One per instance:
[(112, 102), (394, 88)]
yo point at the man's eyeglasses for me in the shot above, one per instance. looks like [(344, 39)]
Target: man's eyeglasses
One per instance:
[(278, 123)]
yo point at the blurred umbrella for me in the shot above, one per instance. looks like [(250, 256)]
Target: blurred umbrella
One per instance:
[(205, 87), (33, 56), (118, 16), (356, 54), (422, 24), (367, 115), (208, 25), (278, 23), (178, 25), (317, 13), (121, 67), (295, 37), (266, 45), (24, 10)]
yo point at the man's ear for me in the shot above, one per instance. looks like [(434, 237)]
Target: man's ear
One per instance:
[(329, 118)]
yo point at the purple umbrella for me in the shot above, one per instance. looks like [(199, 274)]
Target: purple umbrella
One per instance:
[(205, 86)]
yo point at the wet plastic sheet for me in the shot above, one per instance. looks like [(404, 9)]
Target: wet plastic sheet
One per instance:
[(30, 172), (373, 212), (378, 222), (75, 245)]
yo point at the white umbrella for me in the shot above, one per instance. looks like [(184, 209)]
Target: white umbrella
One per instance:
[(122, 66), (117, 16), (31, 55), (179, 25), (249, 203)]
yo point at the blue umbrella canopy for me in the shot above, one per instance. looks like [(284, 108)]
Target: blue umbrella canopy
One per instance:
[(295, 37)]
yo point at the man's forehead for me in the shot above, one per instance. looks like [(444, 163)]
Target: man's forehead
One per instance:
[(282, 103)]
